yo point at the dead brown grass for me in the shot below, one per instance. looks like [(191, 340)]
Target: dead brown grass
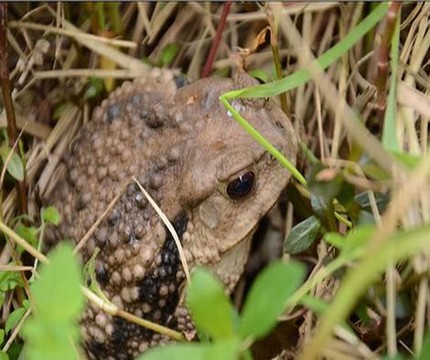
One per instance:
[(56, 48)]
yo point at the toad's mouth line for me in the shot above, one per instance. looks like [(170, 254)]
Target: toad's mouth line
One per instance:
[(247, 237)]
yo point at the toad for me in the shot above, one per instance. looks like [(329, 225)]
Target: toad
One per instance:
[(209, 177)]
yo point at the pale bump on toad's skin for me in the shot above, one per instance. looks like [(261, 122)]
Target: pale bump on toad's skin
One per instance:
[(184, 148)]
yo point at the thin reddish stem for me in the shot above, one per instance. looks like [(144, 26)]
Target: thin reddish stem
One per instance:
[(217, 39), (12, 130)]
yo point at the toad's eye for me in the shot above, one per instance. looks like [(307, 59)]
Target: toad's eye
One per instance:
[(241, 186)]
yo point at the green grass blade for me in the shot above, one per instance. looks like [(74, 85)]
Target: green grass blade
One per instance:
[(263, 141), (389, 134), (398, 247), (300, 77)]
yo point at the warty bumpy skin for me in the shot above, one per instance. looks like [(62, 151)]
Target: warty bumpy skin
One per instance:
[(211, 179)]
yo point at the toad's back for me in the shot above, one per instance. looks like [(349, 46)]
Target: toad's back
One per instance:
[(210, 178)]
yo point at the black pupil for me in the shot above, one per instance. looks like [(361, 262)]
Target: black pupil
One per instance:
[(241, 186)]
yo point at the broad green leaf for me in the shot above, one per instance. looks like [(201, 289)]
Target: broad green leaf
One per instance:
[(327, 189), (14, 166), (29, 233), (176, 352), (324, 210), (346, 195), (8, 281), (302, 236), (365, 218), (14, 318), (52, 331), (50, 215), (267, 297), (220, 350), (209, 306), (363, 200), (15, 351), (3, 356), (57, 293), (319, 205), (50, 341)]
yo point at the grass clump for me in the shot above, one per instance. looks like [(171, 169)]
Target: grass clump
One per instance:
[(353, 79)]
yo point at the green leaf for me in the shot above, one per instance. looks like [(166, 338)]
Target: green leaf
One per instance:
[(328, 189), (14, 318), (399, 357), (57, 295), (382, 201), (14, 167), (411, 161), (324, 210), (267, 297), (2, 334), (335, 239), (176, 352), (221, 350), (317, 305), (365, 218), (3, 356), (209, 306), (59, 110), (29, 233), (354, 240), (302, 236), (168, 54), (8, 281), (95, 88), (260, 74), (50, 215)]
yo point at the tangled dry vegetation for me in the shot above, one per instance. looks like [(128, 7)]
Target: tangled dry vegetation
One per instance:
[(63, 58)]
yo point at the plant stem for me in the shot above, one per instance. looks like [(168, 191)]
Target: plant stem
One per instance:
[(385, 34), (215, 44), (12, 131)]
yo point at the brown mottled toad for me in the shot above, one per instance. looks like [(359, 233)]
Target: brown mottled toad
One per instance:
[(211, 179)]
